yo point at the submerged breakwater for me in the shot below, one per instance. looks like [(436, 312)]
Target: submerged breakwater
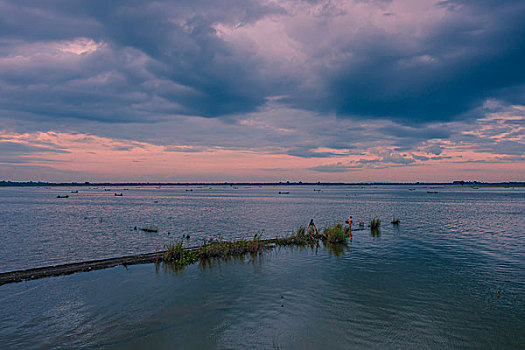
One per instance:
[(66, 269), (181, 256)]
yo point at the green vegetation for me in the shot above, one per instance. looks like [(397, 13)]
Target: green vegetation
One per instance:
[(301, 238), (335, 234), (179, 256), (375, 223), (231, 248), (176, 255)]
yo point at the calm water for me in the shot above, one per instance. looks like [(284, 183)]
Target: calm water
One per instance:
[(431, 282)]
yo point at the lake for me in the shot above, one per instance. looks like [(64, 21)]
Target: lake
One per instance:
[(451, 275)]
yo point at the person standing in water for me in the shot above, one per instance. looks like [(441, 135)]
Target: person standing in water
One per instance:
[(349, 221), (311, 227)]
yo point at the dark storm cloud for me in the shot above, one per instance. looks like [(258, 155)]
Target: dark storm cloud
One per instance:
[(159, 59), (476, 53)]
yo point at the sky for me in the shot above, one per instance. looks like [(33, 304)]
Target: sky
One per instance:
[(246, 90)]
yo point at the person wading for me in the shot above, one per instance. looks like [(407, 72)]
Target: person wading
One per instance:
[(349, 222), (311, 227)]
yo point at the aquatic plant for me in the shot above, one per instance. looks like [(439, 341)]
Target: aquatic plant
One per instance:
[(225, 249), (301, 238), (336, 234), (179, 256), (375, 223)]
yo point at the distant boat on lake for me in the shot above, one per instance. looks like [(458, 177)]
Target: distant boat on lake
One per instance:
[(150, 228), (66, 196)]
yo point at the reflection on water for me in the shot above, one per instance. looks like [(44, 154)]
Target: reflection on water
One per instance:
[(337, 249), (451, 275), (298, 298), (375, 232)]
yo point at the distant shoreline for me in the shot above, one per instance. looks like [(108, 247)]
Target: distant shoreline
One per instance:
[(288, 183)]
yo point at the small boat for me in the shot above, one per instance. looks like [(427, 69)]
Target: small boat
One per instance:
[(118, 194), (190, 190), (432, 192), (281, 192), (74, 191), (66, 196), (316, 190), (150, 228)]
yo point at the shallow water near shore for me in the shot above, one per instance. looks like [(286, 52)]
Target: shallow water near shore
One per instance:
[(452, 274)]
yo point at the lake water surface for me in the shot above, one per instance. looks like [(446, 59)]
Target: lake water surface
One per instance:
[(451, 275)]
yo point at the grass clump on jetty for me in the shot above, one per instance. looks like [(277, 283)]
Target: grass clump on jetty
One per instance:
[(223, 249), (375, 223), (336, 234), (301, 238), (178, 255)]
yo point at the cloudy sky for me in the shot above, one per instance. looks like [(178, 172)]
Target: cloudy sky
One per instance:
[(255, 90)]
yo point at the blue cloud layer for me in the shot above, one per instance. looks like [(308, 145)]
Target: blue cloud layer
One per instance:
[(165, 58)]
